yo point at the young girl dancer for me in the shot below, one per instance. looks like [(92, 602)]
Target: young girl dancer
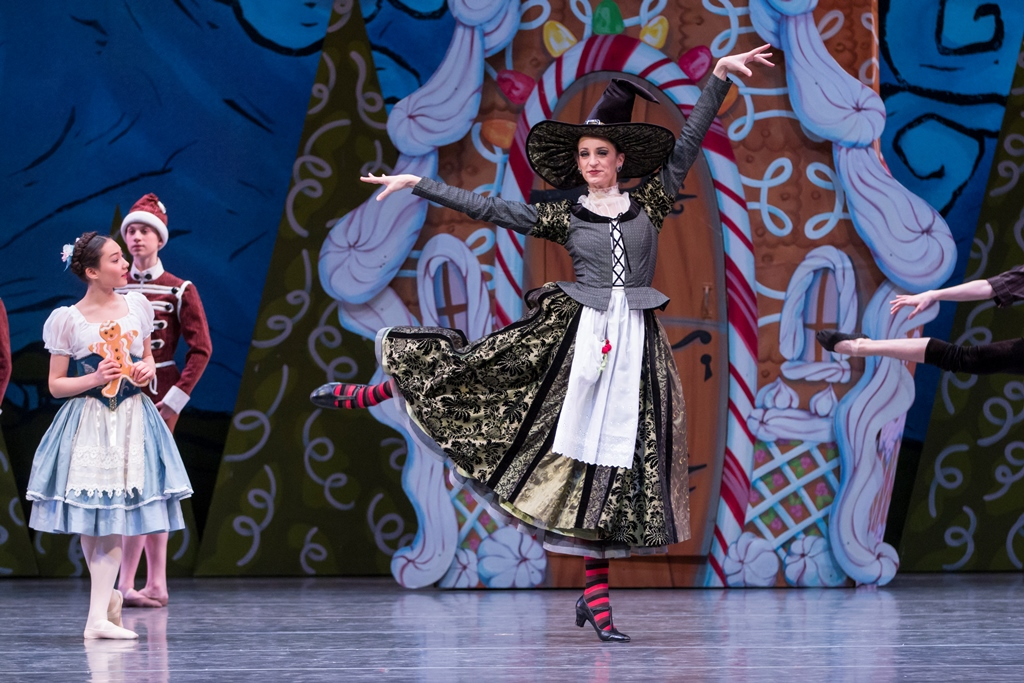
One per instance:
[(570, 421), (107, 466)]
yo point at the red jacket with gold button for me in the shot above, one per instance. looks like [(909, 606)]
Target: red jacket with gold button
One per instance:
[(178, 314)]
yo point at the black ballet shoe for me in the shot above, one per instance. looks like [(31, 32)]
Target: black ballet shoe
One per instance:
[(584, 614), (829, 338), (329, 396)]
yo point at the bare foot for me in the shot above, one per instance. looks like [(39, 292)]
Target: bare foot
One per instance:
[(134, 598)]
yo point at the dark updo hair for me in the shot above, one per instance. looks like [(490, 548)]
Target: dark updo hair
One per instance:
[(87, 253)]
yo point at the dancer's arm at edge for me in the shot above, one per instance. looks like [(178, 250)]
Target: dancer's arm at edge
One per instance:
[(975, 290)]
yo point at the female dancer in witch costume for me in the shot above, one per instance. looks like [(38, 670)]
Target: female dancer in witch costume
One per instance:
[(981, 359), (569, 422), (107, 466)]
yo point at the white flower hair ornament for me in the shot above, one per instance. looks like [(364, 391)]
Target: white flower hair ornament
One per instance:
[(65, 254)]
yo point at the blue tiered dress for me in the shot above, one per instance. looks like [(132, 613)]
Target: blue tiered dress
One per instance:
[(105, 465)]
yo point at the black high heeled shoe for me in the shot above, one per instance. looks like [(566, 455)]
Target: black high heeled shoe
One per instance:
[(585, 614), (829, 338), (329, 396)]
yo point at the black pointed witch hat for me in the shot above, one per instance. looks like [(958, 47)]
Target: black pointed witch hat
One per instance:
[(551, 145)]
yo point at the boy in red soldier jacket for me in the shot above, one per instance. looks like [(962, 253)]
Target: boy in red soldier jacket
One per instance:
[(179, 314)]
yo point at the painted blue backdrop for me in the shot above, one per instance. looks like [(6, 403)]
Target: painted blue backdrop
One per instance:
[(200, 101)]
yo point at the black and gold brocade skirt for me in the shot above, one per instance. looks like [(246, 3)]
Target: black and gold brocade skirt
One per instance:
[(492, 407)]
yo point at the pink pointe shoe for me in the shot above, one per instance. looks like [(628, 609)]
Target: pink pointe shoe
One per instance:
[(114, 608), (109, 631)]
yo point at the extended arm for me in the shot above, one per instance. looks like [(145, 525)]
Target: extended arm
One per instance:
[(703, 115), (976, 290), (697, 125), (512, 215)]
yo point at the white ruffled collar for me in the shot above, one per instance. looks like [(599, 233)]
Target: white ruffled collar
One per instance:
[(609, 202)]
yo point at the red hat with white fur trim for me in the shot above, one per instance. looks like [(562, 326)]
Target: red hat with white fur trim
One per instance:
[(149, 211)]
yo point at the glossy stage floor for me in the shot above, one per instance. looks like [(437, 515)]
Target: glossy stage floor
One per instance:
[(920, 628)]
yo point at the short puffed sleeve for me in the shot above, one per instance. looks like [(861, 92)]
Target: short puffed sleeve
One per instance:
[(1008, 287), (140, 307), (59, 332)]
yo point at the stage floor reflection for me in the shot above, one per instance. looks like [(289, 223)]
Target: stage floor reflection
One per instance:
[(921, 627)]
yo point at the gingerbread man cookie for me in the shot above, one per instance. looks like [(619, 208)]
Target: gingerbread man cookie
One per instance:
[(115, 345)]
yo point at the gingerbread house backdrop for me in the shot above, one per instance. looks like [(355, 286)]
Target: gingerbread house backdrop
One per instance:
[(849, 173)]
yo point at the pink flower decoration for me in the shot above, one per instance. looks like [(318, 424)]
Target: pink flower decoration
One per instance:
[(778, 480), (821, 489), (604, 355), (776, 524), (806, 462), (798, 510)]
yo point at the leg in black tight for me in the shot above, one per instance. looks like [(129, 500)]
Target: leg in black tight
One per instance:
[(983, 359)]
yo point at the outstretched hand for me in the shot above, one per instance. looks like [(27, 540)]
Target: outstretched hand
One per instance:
[(738, 63), (919, 301), (391, 183)]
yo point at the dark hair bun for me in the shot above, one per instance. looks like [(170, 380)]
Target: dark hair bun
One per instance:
[(87, 253)]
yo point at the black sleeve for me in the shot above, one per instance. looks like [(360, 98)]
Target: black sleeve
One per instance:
[(1008, 287)]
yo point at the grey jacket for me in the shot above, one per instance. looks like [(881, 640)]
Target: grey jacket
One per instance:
[(585, 234)]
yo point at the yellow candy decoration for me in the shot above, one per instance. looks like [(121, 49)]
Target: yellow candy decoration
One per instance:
[(655, 33), (557, 38)]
